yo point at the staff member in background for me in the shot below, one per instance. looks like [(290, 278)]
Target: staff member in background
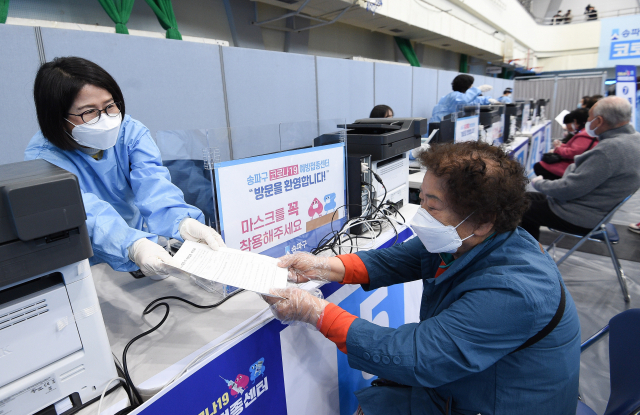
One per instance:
[(128, 195), (381, 111), (553, 165), (506, 96), (498, 332), (464, 93)]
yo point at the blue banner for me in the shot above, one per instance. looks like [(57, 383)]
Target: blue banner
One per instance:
[(246, 379), (619, 41)]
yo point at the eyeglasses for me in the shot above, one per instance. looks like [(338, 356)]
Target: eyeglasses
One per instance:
[(92, 116)]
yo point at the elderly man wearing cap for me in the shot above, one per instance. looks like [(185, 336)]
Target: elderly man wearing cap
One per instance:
[(506, 96)]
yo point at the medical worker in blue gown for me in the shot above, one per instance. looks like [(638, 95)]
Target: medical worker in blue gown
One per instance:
[(127, 192), (464, 93), (506, 96)]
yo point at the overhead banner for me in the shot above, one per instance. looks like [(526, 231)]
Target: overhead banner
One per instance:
[(619, 41), (281, 203), (626, 86)]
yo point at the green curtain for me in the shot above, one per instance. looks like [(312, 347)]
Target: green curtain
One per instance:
[(464, 63), (119, 11), (164, 13), (4, 10), (407, 50)]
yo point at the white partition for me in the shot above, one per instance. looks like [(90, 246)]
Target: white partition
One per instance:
[(345, 88), (392, 85), (444, 82), (425, 88), (265, 89), (167, 84), (487, 80), (18, 66)]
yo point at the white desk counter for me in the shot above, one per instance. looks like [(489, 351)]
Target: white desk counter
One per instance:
[(154, 359)]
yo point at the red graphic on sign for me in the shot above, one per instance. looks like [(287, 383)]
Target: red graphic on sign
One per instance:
[(281, 172)]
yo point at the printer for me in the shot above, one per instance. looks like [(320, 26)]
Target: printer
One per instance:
[(383, 145), (54, 351)]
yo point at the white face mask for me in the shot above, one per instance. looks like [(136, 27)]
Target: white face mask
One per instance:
[(435, 236), (101, 135), (588, 129)]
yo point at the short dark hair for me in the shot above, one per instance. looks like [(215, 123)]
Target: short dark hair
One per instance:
[(480, 179), (591, 101), (580, 116), (56, 87), (461, 83), (380, 111), (568, 118), (508, 91)]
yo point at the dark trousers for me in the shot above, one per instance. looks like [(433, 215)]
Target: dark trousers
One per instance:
[(546, 174), (540, 214)]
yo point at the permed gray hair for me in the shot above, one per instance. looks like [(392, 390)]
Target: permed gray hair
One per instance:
[(614, 110)]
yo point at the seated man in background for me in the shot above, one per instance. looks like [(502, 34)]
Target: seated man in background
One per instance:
[(598, 180), (490, 295), (464, 93)]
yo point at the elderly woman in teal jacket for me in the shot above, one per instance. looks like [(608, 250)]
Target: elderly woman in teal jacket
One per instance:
[(498, 331)]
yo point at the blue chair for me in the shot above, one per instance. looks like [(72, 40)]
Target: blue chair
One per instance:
[(603, 232), (624, 364)]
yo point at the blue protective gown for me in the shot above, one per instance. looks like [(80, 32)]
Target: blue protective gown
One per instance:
[(505, 99), (449, 103), (483, 307), (127, 194)]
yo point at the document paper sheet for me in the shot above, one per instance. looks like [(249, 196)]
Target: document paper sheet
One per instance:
[(253, 272)]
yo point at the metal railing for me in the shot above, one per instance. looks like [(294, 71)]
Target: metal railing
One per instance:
[(582, 18)]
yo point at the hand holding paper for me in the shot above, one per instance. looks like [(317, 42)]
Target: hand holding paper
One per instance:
[(249, 271)]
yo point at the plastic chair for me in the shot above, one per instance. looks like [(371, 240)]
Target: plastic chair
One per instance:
[(624, 364), (598, 234)]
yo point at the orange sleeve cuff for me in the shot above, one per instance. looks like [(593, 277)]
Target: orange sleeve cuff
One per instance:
[(355, 270), (335, 325)]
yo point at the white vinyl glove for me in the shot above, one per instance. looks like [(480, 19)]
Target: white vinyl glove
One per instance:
[(299, 305), (192, 230), (304, 267), (485, 88), (493, 101), (152, 259), (536, 179)]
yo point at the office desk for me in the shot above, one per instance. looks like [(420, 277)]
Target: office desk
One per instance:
[(302, 368)]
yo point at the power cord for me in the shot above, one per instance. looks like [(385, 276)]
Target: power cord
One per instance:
[(374, 218), (148, 309)]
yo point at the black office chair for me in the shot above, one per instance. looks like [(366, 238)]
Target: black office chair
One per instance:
[(597, 234)]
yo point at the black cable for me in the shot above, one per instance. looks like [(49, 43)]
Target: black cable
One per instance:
[(202, 307), (139, 336), (148, 309)]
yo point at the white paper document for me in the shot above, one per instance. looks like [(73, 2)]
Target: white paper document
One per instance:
[(246, 270), (560, 117)]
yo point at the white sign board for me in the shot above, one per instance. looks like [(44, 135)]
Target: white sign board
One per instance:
[(467, 129), (626, 86), (281, 203)]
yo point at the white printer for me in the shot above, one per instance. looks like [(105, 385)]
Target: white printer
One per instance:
[(54, 351)]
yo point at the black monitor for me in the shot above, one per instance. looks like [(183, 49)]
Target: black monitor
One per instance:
[(447, 127), (512, 115)]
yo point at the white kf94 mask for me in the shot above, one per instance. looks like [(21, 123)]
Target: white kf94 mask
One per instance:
[(435, 236), (101, 135)]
